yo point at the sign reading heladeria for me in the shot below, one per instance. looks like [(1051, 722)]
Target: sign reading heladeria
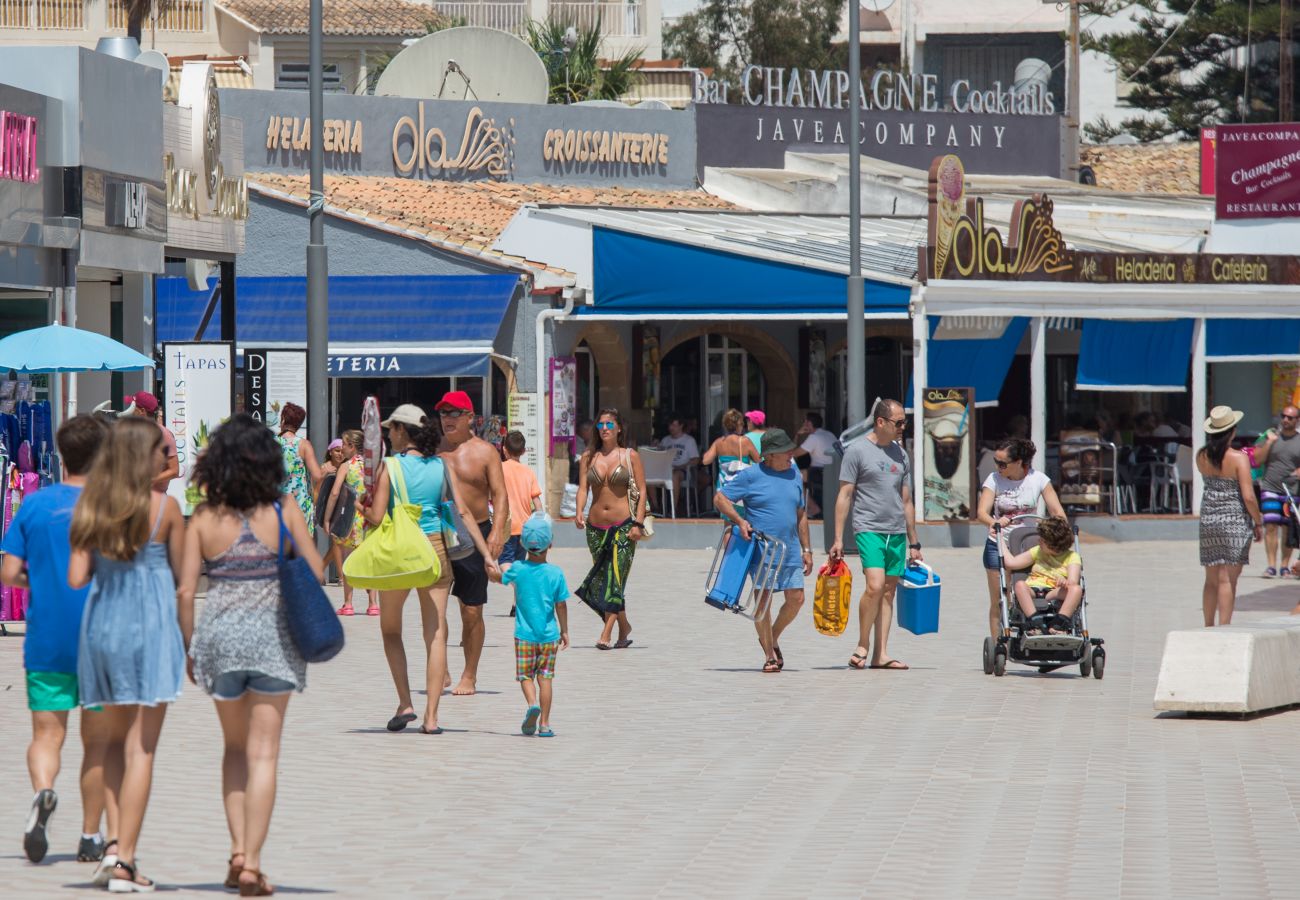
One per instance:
[(1257, 171)]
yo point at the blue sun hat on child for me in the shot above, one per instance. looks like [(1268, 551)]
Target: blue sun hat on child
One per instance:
[(537, 534)]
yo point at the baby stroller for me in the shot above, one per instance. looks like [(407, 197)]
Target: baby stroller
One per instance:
[(1047, 652)]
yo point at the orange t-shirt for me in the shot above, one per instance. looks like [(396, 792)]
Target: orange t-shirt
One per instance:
[(521, 488)]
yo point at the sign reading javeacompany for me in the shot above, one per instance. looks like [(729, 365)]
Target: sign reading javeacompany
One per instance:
[(962, 246), (460, 140), (1257, 171)]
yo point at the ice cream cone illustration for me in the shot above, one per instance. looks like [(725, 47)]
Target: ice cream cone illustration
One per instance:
[(950, 201)]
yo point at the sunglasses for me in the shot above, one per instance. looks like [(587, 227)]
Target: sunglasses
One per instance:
[(1000, 464), (452, 413), (606, 426), (897, 423), (1290, 417)]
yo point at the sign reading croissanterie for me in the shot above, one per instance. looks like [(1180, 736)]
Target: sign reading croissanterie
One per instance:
[(962, 245)]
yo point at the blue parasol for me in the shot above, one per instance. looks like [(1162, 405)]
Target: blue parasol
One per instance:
[(59, 348)]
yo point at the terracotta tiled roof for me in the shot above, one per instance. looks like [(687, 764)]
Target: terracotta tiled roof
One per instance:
[(465, 216), (342, 17), (1146, 168)]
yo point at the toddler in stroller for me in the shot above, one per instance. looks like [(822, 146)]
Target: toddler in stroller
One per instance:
[(1053, 578)]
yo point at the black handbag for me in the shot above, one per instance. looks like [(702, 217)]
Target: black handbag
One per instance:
[(345, 508), (313, 625)]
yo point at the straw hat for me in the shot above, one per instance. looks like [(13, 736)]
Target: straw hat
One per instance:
[(1222, 418)]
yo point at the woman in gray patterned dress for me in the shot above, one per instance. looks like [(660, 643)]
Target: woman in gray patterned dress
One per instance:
[(241, 652), (1228, 507)]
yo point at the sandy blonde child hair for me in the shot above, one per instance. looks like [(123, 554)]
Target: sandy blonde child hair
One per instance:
[(112, 514)]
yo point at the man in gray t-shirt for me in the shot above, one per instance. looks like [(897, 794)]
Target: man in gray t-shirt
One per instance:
[(875, 482), (1280, 456)]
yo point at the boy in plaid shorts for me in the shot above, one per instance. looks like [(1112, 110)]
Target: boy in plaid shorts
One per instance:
[(541, 622)]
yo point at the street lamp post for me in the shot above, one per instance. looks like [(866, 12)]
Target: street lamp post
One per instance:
[(856, 302), (317, 261)]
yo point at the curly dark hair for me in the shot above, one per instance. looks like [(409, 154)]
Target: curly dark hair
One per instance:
[(1056, 534), (243, 467), (1019, 450), (426, 437)]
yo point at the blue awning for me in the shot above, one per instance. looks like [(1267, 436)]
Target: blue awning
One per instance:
[(636, 275), (1126, 355), (1252, 340), (428, 325), (979, 364)]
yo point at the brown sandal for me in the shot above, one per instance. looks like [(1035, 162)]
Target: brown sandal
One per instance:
[(259, 888), (232, 873)]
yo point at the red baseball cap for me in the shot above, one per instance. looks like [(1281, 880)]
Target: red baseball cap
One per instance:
[(455, 400), (143, 399)]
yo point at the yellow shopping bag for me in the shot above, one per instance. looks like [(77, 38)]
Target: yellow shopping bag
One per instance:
[(832, 598), (396, 555)]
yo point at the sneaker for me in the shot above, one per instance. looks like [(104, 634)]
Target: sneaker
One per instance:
[(36, 841), (91, 849), (1270, 572), (1284, 572)]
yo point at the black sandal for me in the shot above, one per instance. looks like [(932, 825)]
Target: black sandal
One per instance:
[(771, 667), (128, 885), (780, 660), (857, 661), (399, 722)]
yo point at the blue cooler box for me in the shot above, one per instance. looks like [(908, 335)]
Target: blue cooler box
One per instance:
[(918, 599)]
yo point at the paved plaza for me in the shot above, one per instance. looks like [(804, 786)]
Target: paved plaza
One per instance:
[(679, 770)]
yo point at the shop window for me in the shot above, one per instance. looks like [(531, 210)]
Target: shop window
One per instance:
[(294, 76), (588, 383)]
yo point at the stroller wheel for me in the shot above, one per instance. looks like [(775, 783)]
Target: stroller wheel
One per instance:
[(988, 655), (1098, 663), (1000, 663), (1085, 664)]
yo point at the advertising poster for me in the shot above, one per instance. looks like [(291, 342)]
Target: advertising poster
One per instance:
[(563, 401), (949, 426), (645, 366), (199, 394), (1257, 171), (521, 415), (1208, 137), (1286, 386), (273, 378), (812, 368)]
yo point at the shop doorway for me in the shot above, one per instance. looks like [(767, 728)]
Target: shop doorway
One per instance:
[(703, 378), (588, 383)]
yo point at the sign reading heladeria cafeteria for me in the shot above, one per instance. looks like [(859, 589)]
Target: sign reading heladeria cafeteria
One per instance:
[(456, 140)]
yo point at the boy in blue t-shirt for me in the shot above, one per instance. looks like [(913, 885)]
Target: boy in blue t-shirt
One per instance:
[(36, 555), (541, 622)]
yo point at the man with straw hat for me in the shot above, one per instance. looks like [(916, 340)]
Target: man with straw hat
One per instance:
[(772, 495), (1228, 509)]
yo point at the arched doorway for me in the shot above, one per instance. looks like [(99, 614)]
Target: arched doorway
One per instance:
[(704, 376)]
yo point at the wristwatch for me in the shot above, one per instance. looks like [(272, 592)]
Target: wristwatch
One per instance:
[(915, 546)]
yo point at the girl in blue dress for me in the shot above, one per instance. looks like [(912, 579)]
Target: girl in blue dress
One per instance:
[(131, 658)]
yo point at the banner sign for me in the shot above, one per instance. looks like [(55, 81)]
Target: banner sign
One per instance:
[(522, 416), (962, 246), (273, 378), (564, 402), (949, 426), (1257, 171), (199, 393), (1208, 138)]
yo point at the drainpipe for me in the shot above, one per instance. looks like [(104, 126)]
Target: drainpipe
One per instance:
[(543, 429)]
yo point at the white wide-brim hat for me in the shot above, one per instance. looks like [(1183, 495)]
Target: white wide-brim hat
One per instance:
[(1222, 418)]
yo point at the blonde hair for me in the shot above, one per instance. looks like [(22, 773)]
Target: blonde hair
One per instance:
[(733, 422), (112, 514), (355, 438)]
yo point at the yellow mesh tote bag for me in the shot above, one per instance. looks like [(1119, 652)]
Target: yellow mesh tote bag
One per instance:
[(832, 598), (396, 555)]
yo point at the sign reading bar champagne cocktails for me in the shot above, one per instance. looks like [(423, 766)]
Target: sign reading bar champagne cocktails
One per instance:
[(198, 391)]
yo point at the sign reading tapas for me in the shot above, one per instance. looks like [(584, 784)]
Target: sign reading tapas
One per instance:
[(962, 245), (1257, 171)]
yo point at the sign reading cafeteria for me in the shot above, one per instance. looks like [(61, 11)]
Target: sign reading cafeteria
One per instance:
[(454, 140), (1257, 171), (963, 245)]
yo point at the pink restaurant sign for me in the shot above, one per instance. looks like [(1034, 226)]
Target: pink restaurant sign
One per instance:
[(18, 152), (1257, 171)]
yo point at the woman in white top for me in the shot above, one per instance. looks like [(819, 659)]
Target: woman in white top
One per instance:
[(1013, 490)]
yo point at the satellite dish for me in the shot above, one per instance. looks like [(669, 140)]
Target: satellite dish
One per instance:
[(877, 6), (156, 59), (467, 64), (652, 104), (601, 104)]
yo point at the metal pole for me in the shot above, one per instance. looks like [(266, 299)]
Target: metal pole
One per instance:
[(856, 305), (318, 421), (1072, 98)]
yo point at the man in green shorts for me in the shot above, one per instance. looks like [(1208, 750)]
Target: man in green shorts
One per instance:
[(36, 555), (875, 481)]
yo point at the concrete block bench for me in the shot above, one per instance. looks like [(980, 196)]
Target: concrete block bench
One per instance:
[(1235, 669)]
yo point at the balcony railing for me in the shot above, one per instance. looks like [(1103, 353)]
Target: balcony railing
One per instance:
[(501, 16), (53, 15), (616, 18), (178, 15)]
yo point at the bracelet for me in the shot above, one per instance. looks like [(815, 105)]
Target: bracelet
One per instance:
[(808, 550)]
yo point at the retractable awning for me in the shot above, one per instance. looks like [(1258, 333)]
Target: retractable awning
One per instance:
[(980, 363), (643, 276), (1134, 355), (1252, 340), (379, 326)]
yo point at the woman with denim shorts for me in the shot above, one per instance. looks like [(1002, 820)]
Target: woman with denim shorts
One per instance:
[(241, 652), (1013, 490)]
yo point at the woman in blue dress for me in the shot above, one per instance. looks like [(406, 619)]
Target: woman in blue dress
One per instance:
[(130, 658)]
